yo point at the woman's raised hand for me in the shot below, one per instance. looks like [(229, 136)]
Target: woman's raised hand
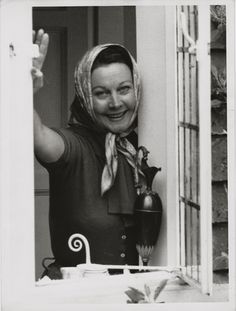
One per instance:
[(42, 40), (48, 144)]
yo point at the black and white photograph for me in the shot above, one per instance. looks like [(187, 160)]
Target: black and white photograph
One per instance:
[(117, 155)]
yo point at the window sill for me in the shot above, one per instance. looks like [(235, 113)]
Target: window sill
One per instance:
[(111, 289)]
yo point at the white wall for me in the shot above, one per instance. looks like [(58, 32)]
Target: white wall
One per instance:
[(16, 157), (157, 130)]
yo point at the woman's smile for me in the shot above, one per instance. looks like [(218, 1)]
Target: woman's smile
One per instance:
[(113, 97), (116, 116)]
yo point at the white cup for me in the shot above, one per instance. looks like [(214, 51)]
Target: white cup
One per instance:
[(92, 270)]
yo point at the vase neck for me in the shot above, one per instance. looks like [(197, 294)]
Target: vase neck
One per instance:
[(150, 173)]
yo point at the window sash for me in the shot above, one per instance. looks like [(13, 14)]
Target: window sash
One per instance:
[(195, 148), (205, 147)]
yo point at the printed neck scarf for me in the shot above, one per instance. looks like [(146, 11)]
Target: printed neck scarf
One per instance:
[(82, 113)]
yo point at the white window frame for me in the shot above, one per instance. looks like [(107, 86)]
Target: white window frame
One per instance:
[(16, 159), (204, 84), (165, 151), (202, 51)]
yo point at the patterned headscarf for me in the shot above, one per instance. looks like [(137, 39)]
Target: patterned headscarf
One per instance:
[(82, 112)]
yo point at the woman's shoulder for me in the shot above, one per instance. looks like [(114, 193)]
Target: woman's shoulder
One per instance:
[(75, 131), (85, 139), (75, 146), (72, 133)]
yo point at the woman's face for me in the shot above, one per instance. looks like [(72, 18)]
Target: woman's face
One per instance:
[(113, 96)]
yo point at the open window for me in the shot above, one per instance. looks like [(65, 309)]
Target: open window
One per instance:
[(194, 141), (202, 98), (178, 135)]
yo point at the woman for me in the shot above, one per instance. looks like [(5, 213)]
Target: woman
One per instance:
[(92, 163)]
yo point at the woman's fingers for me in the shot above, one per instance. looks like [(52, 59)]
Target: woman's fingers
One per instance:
[(36, 73), (42, 40), (39, 36), (33, 36), (37, 79), (43, 48)]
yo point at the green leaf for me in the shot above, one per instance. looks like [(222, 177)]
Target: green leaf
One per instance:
[(159, 288), (136, 290), (135, 295), (147, 290)]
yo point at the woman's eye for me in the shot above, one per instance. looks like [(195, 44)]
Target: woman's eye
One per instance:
[(124, 89), (100, 94)]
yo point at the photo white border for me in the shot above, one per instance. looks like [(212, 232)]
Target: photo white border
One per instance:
[(6, 164)]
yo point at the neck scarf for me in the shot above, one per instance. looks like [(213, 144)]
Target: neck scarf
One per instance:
[(82, 113)]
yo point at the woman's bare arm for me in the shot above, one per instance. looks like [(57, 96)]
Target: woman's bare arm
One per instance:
[(48, 144)]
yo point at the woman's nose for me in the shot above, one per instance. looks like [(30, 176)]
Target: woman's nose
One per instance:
[(114, 101)]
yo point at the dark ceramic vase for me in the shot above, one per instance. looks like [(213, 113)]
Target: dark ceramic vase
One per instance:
[(148, 214)]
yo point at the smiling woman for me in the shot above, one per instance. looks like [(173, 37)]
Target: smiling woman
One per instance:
[(113, 97), (113, 90), (92, 163)]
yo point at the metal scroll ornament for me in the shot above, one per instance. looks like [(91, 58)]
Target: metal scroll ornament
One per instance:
[(147, 212)]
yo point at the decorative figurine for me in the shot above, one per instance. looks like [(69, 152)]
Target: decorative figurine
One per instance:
[(147, 211)]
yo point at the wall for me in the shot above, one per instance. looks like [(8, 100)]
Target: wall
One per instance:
[(219, 139), (117, 24), (157, 116)]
